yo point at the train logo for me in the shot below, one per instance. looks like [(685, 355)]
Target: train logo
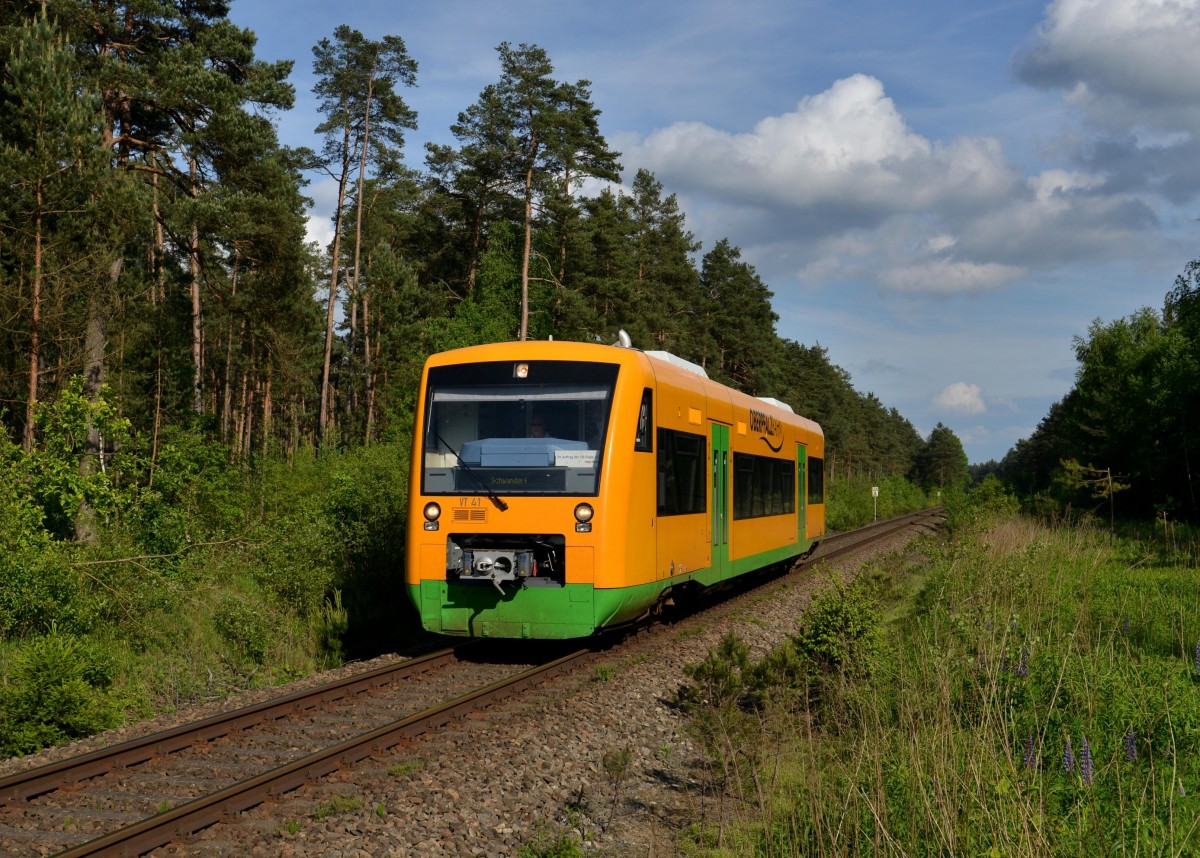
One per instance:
[(766, 426)]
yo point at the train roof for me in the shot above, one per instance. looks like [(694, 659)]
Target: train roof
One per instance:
[(666, 367)]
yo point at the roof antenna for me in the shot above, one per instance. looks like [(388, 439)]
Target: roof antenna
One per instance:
[(623, 340)]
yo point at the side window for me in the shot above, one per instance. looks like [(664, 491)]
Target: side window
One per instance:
[(762, 486), (816, 480), (643, 442), (682, 473)]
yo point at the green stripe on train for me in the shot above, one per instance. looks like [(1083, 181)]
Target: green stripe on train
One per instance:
[(576, 610), (573, 611)]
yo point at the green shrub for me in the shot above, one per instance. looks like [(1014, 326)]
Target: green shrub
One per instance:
[(57, 687), (849, 503), (840, 632)]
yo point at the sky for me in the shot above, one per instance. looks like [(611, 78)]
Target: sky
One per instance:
[(941, 194)]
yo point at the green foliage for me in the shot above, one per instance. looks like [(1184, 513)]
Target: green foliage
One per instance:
[(63, 474), (849, 503), (1035, 688), (941, 463), (56, 687), (406, 769), (552, 844), (1133, 412), (840, 633), (245, 625), (337, 805)]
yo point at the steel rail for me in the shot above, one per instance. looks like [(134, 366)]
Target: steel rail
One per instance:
[(74, 770), (187, 819), (872, 533)]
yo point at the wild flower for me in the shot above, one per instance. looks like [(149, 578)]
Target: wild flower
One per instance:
[(1023, 666), (1125, 626), (1130, 745), (1182, 791), (1085, 762), (1068, 758), (1198, 658), (1029, 758)]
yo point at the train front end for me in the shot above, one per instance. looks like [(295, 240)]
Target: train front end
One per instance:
[(505, 493)]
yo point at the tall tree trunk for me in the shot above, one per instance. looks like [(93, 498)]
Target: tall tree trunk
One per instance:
[(94, 343), (227, 393), (358, 212), (526, 251), (158, 289), (352, 346), (369, 381), (476, 242), (197, 351), (248, 432), (243, 415), (34, 331), (266, 407), (157, 417), (562, 240), (323, 413)]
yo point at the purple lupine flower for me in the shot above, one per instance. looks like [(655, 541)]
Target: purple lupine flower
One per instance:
[(1198, 658), (1068, 758), (1125, 626), (1023, 667), (1030, 755), (1085, 762), (1130, 745)]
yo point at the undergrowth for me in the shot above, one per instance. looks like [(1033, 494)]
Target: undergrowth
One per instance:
[(1028, 692), (202, 578)]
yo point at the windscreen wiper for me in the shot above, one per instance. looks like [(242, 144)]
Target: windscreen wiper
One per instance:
[(492, 496)]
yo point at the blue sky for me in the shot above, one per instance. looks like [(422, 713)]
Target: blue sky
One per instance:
[(942, 194)]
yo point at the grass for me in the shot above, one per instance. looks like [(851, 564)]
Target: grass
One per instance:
[(1028, 692)]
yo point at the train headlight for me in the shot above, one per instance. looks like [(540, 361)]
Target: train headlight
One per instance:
[(583, 518), (432, 511)]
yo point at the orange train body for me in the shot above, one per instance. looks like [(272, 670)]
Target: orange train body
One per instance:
[(562, 488)]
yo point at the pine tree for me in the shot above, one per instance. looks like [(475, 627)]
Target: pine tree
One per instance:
[(364, 125), (53, 168)]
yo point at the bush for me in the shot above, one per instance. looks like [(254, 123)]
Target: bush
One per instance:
[(849, 503), (57, 687)]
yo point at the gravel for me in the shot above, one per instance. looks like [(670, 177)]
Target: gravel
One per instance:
[(527, 771)]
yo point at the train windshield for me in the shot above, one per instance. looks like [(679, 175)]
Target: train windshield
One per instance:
[(516, 427)]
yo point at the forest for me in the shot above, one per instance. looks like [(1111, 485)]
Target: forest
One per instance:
[(1123, 443), (154, 241), (206, 418)]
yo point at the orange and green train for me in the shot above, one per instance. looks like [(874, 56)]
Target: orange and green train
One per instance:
[(563, 488)]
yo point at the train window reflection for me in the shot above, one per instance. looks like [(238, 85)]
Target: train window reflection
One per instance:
[(542, 434)]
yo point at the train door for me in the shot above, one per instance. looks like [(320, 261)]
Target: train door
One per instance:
[(801, 491), (720, 501)]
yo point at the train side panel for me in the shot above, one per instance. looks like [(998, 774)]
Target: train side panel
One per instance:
[(662, 491)]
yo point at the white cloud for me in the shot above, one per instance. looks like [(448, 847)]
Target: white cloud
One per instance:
[(847, 149), (842, 189), (961, 398), (1124, 63)]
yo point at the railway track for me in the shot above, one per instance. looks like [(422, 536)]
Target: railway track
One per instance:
[(135, 797)]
